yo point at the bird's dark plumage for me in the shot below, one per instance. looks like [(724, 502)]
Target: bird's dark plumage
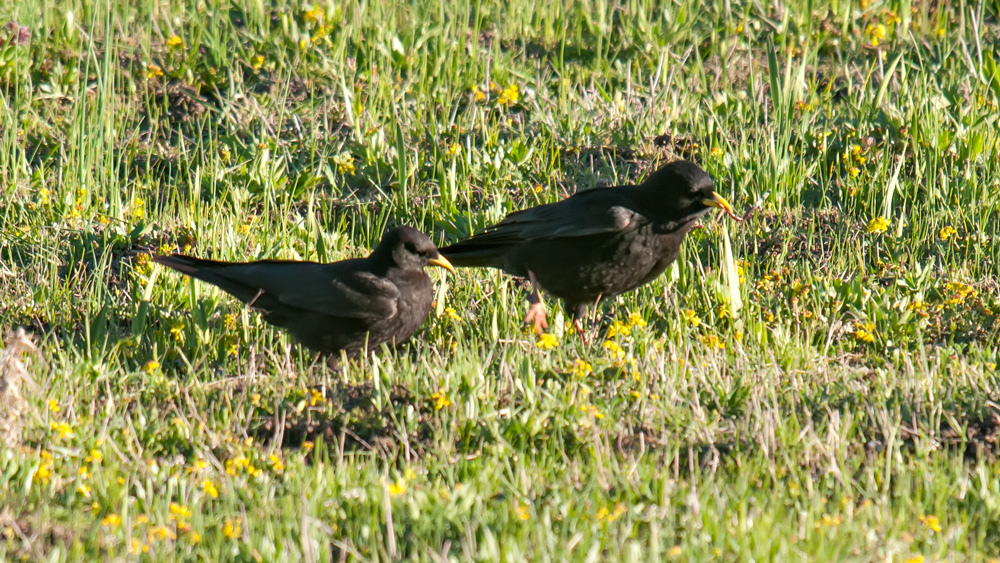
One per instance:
[(598, 243), (348, 305)]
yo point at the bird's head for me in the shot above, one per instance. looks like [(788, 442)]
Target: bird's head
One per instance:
[(683, 191), (409, 249)]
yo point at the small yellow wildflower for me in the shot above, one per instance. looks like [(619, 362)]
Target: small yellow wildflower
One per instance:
[(712, 341), (174, 42), (317, 398), (210, 489), (635, 319), (691, 317), (453, 149), (256, 62), (151, 366), (675, 551), (53, 405), (179, 511), (277, 465), (878, 225), (617, 328), (63, 429), (959, 292), (397, 488), (875, 33), (547, 341), (864, 333), (440, 399), (112, 520), (581, 368), (931, 522), (522, 511), (716, 152), (947, 232), (95, 456), (177, 332), (345, 163), (452, 314), (232, 528), (915, 559), (160, 533), (83, 490), (854, 171), (509, 96), (137, 546), (479, 94), (153, 71), (615, 350), (313, 16), (593, 411), (605, 515)]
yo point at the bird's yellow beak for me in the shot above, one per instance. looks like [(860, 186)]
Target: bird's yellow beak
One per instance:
[(718, 201), (442, 262)]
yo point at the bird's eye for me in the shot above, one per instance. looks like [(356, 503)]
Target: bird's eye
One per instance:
[(412, 248)]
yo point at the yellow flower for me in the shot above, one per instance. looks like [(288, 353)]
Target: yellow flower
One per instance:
[(397, 488), (605, 515), (256, 62), (959, 292), (616, 351), (177, 331), (83, 490), (313, 16), (179, 511), (209, 487), (716, 152), (581, 368), (277, 465), (232, 528), (53, 405), (479, 94), (947, 232), (138, 211), (854, 171), (112, 520), (875, 33), (151, 366), (592, 410), (344, 162), (712, 341), (864, 334), (440, 400), (931, 522), (522, 511), (453, 149), (160, 533), (450, 313), (137, 546), (95, 457), (547, 341), (915, 559), (64, 430), (618, 328), (509, 96), (878, 225), (691, 317), (174, 42), (316, 398), (635, 319), (675, 551), (153, 71)]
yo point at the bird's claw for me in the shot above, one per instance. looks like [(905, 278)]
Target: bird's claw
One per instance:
[(536, 317)]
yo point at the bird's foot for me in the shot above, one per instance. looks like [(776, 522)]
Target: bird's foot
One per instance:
[(536, 317), (578, 326)]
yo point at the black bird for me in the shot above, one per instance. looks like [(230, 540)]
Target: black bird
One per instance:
[(597, 243), (341, 306)]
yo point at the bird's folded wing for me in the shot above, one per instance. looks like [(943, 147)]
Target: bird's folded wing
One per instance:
[(586, 213), (358, 295)]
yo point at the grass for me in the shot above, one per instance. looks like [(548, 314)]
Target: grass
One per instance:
[(836, 402)]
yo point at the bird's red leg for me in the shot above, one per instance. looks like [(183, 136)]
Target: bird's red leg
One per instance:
[(536, 311), (578, 325)]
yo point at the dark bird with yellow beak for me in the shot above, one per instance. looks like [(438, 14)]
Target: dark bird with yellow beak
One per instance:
[(348, 306), (597, 243)]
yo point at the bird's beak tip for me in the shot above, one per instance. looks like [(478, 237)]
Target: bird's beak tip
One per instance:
[(718, 201), (442, 262)]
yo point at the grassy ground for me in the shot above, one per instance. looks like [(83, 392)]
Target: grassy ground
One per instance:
[(835, 402)]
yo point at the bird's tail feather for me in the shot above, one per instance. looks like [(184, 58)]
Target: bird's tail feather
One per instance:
[(226, 275)]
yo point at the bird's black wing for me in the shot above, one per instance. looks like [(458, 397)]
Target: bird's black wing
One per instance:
[(343, 289), (601, 210)]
